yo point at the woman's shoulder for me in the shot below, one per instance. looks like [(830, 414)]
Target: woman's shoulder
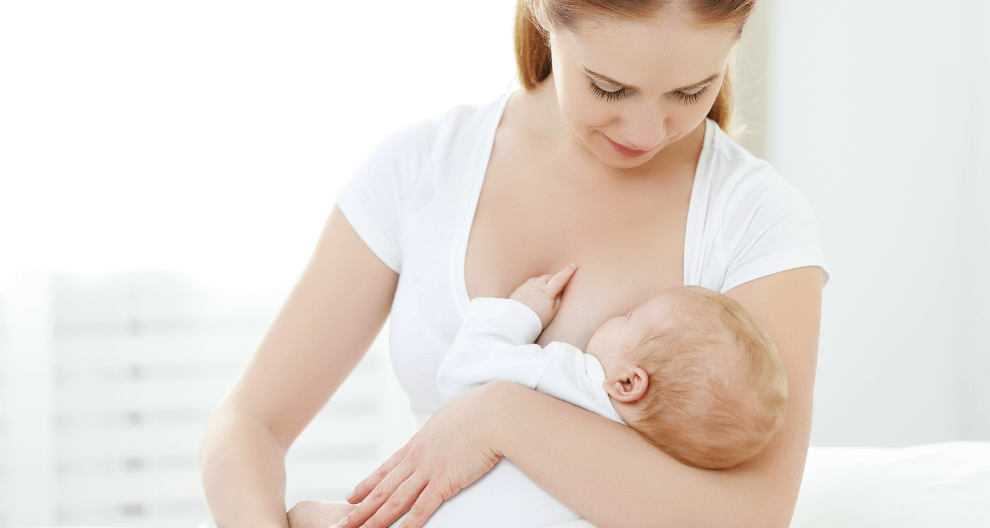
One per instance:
[(462, 124), (446, 141), (729, 163), (474, 117), (758, 220), (735, 178), (413, 166)]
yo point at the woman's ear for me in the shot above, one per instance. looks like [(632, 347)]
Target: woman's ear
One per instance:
[(629, 386)]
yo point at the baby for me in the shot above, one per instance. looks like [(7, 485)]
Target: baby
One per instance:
[(690, 370)]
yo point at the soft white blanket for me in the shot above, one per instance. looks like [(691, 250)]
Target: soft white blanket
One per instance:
[(927, 486), (936, 485)]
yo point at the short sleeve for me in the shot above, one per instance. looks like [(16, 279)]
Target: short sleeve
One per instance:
[(767, 227), (374, 197)]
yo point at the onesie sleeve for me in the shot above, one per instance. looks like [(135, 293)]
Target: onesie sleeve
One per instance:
[(373, 199), (768, 227), (495, 342), (577, 378)]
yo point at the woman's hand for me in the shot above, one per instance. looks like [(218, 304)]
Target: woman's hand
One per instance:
[(452, 450)]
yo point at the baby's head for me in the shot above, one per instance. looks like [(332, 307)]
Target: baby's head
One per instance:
[(696, 374)]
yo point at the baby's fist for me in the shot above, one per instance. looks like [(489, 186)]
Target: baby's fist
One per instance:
[(540, 293)]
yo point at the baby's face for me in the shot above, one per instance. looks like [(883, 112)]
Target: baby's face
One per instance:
[(614, 339)]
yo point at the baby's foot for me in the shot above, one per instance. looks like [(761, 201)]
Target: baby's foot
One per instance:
[(318, 514)]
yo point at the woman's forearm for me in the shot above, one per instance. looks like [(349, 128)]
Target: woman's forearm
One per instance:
[(243, 470), (322, 331), (613, 477)]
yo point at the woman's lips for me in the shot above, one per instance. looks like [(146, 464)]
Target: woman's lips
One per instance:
[(624, 150)]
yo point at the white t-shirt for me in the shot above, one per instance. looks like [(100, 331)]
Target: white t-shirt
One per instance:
[(414, 199), (496, 342)]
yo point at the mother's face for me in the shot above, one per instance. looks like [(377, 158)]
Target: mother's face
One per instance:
[(628, 88)]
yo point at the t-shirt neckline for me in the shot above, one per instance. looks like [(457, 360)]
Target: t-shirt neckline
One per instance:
[(480, 170)]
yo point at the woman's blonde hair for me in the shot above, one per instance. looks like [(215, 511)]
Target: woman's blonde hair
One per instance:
[(533, 48)]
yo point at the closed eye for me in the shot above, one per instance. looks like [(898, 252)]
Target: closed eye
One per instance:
[(691, 98), (607, 95), (688, 95), (610, 95)]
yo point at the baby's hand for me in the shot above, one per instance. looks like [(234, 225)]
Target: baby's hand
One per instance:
[(540, 293)]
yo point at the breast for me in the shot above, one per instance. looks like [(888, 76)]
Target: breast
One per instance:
[(539, 211), (593, 297), (618, 269)]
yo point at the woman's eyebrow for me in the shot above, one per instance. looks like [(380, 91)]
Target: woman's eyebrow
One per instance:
[(705, 82), (603, 78)]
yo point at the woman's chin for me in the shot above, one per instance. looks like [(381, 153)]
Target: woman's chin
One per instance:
[(613, 158)]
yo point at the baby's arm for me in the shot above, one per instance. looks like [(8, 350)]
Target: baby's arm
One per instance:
[(495, 342)]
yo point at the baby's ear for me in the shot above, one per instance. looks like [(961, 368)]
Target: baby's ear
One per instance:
[(629, 386)]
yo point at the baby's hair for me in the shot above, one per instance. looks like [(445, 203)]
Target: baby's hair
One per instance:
[(717, 370)]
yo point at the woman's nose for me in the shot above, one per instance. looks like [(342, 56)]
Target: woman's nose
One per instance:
[(643, 127)]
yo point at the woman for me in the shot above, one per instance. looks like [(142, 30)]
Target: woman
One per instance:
[(605, 159)]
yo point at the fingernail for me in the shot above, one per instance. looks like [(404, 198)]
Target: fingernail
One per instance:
[(341, 523), (350, 495)]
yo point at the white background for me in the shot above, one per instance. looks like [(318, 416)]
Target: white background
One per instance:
[(880, 112), (208, 138)]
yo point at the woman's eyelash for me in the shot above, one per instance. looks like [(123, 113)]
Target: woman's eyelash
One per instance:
[(687, 99), (605, 94), (690, 99)]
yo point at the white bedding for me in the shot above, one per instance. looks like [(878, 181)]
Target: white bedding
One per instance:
[(927, 486), (935, 485)]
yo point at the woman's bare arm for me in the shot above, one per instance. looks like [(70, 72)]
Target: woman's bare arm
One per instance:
[(324, 328), (632, 484), (607, 472)]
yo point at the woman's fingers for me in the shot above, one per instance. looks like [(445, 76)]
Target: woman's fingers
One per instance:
[(398, 503), (427, 503), (382, 492), (451, 451), (368, 485)]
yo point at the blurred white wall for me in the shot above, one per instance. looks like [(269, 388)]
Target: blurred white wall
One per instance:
[(879, 115), (211, 136), (206, 139), (106, 384)]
